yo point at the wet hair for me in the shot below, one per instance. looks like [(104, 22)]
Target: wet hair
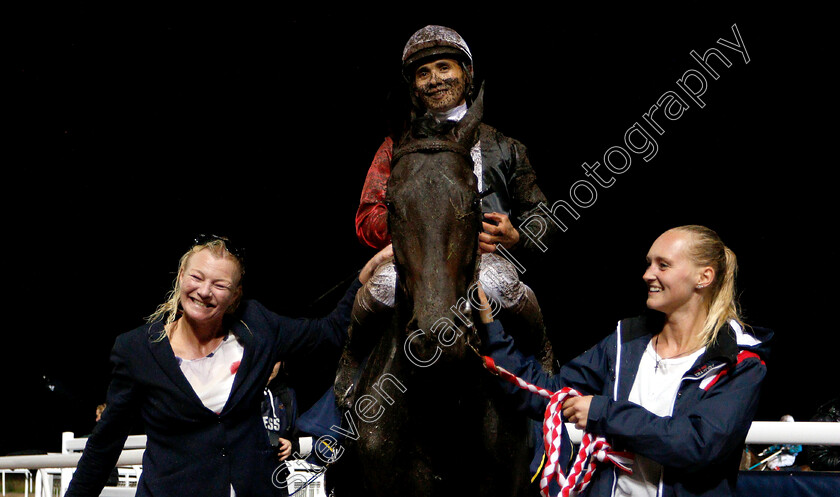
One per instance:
[(168, 310), (707, 249)]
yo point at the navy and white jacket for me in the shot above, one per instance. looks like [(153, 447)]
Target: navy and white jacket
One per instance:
[(699, 445)]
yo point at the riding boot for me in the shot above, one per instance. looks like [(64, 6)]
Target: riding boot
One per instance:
[(530, 329), (346, 376), (370, 309), (524, 320)]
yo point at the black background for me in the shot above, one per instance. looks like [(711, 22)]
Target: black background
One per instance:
[(129, 131)]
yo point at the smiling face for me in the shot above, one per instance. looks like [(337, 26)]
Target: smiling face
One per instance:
[(209, 286), (671, 276), (440, 85)]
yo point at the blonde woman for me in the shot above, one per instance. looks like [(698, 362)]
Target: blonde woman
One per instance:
[(678, 387), (194, 376)]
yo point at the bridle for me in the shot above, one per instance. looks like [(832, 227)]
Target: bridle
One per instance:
[(430, 146)]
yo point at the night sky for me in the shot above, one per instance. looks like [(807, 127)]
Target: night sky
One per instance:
[(128, 132)]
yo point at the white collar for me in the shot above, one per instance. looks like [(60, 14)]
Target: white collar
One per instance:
[(453, 114)]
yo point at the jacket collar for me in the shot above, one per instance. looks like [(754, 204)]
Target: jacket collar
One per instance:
[(246, 337), (722, 350), (165, 357), (161, 350)]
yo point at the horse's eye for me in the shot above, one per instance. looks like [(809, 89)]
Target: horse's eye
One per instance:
[(476, 203), (389, 205)]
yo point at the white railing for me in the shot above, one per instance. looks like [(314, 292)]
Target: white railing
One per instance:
[(48, 465), (27, 479), (774, 433), (129, 469)]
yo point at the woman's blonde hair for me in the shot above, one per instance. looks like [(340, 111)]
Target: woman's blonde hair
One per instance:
[(707, 249), (168, 310)]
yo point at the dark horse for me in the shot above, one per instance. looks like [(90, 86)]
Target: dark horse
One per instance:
[(429, 421)]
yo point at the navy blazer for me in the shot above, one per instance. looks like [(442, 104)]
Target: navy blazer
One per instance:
[(191, 450)]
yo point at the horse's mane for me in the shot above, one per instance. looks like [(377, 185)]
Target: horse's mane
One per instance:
[(427, 126)]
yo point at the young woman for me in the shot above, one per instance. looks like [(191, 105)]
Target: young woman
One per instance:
[(195, 375), (678, 387)]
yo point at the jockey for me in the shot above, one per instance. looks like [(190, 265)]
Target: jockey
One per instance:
[(438, 66)]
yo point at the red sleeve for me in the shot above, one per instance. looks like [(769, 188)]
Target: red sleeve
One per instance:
[(372, 216)]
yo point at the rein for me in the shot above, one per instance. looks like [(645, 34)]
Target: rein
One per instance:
[(593, 450)]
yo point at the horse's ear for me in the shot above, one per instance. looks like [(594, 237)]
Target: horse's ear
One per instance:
[(467, 128)]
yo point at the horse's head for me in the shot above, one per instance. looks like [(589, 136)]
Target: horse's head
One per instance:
[(434, 216)]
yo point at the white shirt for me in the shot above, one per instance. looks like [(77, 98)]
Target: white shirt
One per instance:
[(212, 376), (655, 389)]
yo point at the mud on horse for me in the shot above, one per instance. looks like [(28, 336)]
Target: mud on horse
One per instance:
[(429, 421)]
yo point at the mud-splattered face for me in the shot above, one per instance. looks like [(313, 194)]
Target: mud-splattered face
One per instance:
[(440, 84)]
